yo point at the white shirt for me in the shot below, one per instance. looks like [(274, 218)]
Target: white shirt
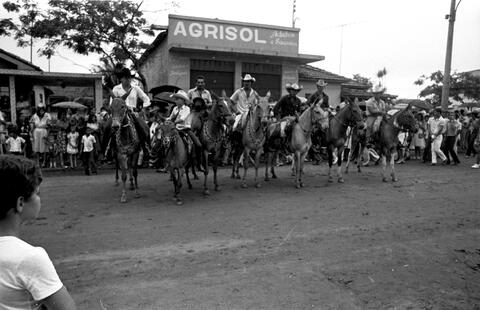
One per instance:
[(132, 98), (181, 114), (205, 94), (27, 275), (243, 101), (15, 145), (435, 124), (88, 143)]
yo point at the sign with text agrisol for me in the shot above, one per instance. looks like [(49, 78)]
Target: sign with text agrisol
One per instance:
[(228, 36)]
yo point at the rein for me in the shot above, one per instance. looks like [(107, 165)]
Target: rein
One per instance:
[(252, 133), (132, 145)]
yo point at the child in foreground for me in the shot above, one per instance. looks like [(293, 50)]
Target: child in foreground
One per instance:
[(28, 279)]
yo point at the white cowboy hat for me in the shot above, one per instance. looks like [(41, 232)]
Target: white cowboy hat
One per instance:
[(377, 89), (321, 83), (293, 86), (248, 77), (181, 94)]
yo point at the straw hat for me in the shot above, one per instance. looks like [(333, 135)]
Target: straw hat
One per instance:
[(377, 89), (321, 83), (181, 94), (248, 77), (293, 86)]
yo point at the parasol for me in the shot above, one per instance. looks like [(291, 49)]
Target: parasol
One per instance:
[(69, 105), (164, 88), (469, 105), (420, 104)]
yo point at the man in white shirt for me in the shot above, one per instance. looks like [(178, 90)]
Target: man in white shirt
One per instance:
[(130, 94), (201, 92), (436, 128), (180, 116), (376, 108), (243, 98)]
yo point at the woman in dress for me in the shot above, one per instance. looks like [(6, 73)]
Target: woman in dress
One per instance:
[(61, 126), (39, 124)]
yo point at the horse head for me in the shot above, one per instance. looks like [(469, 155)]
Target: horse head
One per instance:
[(119, 110), (355, 115), (319, 116), (168, 133), (258, 116), (221, 112)]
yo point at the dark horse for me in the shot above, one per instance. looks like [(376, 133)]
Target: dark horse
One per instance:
[(387, 138), (127, 145), (350, 115), (212, 134)]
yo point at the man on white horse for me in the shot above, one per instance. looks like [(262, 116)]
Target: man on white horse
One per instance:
[(376, 109), (243, 98)]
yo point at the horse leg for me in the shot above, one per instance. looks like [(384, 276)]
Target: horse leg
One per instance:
[(302, 161), (339, 164), (384, 166), (205, 172), (117, 167), (123, 198), (135, 179), (187, 175), (361, 149), (257, 164), (330, 163), (272, 164), (268, 156), (392, 167), (246, 155), (293, 168), (215, 167)]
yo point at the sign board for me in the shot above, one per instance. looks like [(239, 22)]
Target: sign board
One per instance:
[(219, 35)]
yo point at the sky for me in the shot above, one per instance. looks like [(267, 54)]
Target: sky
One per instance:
[(406, 37)]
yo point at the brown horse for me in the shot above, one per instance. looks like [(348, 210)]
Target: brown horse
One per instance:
[(211, 136), (176, 157), (127, 145), (252, 139), (387, 138), (357, 147), (299, 142), (350, 115)]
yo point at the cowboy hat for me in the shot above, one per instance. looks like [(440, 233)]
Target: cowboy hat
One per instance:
[(125, 72), (293, 86), (248, 77), (321, 83), (182, 95), (202, 101), (377, 89)]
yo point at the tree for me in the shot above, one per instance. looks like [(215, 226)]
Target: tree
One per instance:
[(362, 80), (113, 29), (462, 86), (381, 75)]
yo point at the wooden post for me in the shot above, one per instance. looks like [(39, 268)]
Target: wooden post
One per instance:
[(13, 99), (448, 58), (98, 94)]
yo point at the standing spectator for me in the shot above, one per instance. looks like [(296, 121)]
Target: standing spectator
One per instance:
[(72, 146), (476, 144), (28, 279), (61, 126), (14, 143), (93, 124), (3, 132), (25, 134), (451, 133), (436, 128), (39, 123), (471, 135), (419, 137), (87, 148)]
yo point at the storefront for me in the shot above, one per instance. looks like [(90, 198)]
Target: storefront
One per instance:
[(223, 51)]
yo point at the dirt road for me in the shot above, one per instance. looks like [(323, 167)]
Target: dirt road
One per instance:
[(414, 244)]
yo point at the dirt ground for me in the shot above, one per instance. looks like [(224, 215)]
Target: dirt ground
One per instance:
[(364, 244)]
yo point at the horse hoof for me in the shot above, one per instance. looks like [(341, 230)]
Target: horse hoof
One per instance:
[(330, 180), (297, 186), (267, 179), (116, 184), (341, 180), (232, 176), (385, 180), (217, 188), (293, 174), (302, 184), (258, 185), (195, 177), (244, 185), (274, 176), (137, 195), (206, 192), (190, 186), (179, 202), (237, 177), (131, 188), (346, 171), (394, 179), (123, 199)]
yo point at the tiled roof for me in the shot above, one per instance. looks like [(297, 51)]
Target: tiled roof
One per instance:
[(308, 72), (28, 63), (159, 39), (362, 94)]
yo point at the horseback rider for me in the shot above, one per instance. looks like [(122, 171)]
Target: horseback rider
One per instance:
[(288, 108), (130, 94), (376, 109), (243, 98), (180, 117), (320, 96), (200, 92)]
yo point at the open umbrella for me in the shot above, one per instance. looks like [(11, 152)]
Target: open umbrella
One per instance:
[(164, 88), (69, 105), (164, 96), (418, 103), (470, 105)]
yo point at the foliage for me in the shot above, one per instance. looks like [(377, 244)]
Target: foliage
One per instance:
[(363, 80), (462, 85)]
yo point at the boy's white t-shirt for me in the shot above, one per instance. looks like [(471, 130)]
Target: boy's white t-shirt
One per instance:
[(88, 143), (27, 275), (15, 144)]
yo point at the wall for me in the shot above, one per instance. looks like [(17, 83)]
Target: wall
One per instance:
[(332, 90), (155, 68)]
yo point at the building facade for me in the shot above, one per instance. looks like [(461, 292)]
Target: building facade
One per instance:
[(223, 51)]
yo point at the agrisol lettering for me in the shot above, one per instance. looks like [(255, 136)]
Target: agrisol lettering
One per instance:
[(217, 32)]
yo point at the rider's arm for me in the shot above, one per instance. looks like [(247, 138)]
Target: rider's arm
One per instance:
[(143, 96), (182, 115)]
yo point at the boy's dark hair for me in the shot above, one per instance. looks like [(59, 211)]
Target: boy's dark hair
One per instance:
[(200, 77), (19, 177)]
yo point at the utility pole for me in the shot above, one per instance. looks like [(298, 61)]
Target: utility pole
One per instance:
[(294, 8), (448, 56)]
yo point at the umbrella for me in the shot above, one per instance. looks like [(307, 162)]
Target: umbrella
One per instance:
[(421, 104), (164, 96), (85, 100), (69, 105), (164, 88)]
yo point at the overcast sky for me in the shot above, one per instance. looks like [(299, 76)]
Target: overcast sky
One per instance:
[(407, 37)]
